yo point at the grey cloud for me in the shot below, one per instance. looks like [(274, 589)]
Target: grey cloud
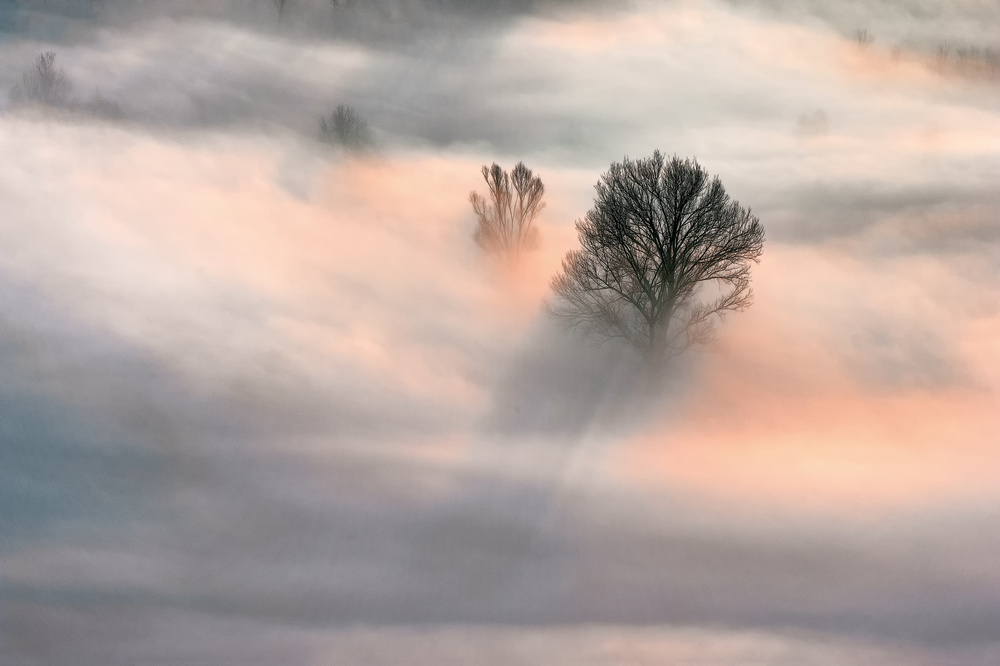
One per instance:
[(210, 640), (954, 217), (263, 539), (807, 582), (924, 23), (463, 87), (443, 94), (385, 22), (97, 435), (259, 510), (62, 464)]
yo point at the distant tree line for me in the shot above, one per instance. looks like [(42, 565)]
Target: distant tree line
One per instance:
[(967, 61), (971, 61)]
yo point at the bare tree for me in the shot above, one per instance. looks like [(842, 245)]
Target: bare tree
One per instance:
[(863, 38), (507, 213), (46, 85), (344, 127), (43, 84), (663, 251), (104, 107)]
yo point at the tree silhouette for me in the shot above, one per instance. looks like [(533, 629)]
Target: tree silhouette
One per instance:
[(663, 251), (507, 213), (863, 38), (344, 127), (280, 5), (43, 84)]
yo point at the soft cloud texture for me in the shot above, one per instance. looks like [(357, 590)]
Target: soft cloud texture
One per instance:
[(264, 402)]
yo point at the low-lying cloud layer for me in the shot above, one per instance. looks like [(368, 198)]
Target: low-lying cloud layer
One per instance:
[(265, 402)]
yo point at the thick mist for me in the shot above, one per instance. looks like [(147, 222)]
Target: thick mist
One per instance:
[(265, 401)]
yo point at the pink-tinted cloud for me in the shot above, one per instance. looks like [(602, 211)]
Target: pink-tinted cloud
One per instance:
[(796, 408), (257, 388)]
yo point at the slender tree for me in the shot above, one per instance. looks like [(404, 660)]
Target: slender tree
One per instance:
[(863, 38), (663, 251), (507, 213)]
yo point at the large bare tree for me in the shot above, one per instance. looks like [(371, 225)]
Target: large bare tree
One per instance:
[(506, 214), (663, 251)]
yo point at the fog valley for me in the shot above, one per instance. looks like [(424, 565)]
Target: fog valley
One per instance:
[(278, 391)]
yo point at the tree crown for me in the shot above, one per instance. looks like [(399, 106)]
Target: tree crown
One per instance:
[(661, 232), (507, 213)]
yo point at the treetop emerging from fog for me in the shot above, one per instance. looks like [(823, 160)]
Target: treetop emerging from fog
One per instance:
[(506, 214), (663, 250)]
